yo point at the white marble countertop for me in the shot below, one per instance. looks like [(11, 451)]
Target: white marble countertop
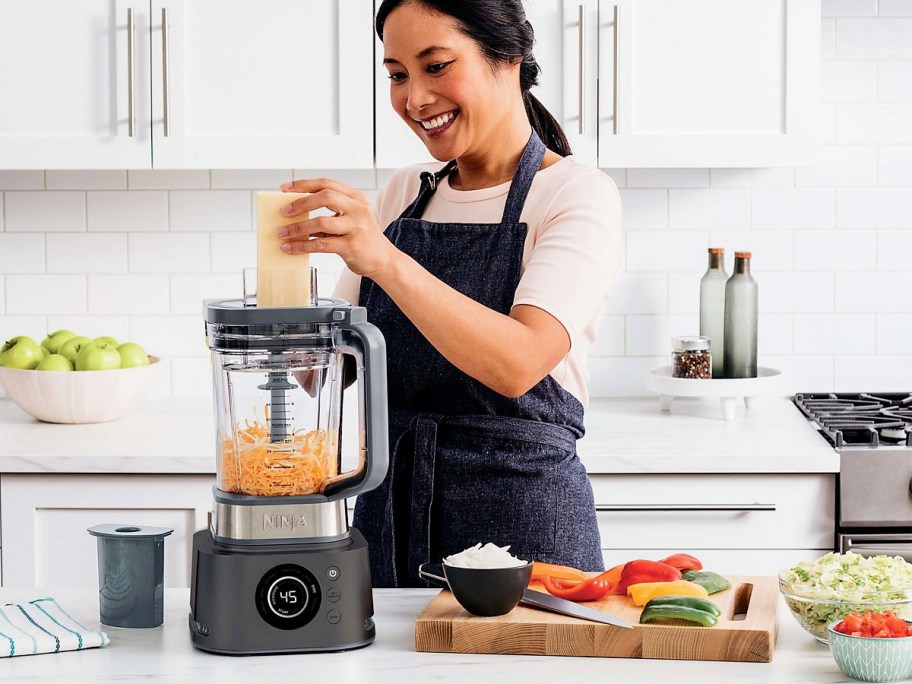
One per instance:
[(623, 436), (165, 654)]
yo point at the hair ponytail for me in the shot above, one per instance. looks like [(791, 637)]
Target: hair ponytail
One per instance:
[(504, 35)]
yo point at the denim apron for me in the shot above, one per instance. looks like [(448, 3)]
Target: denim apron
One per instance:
[(467, 464)]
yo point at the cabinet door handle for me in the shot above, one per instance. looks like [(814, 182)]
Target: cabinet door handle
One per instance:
[(166, 80), (581, 71), (684, 507), (131, 85), (617, 53)]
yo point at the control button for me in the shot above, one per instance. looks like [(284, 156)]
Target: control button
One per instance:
[(333, 617), (333, 594), (287, 597), (333, 573)]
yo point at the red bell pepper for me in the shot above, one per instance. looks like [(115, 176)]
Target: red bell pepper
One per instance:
[(637, 571), (683, 561), (590, 589)]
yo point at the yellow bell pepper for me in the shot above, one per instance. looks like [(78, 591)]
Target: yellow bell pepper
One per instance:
[(643, 592)]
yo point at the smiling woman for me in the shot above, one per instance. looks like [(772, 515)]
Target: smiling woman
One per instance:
[(487, 274)]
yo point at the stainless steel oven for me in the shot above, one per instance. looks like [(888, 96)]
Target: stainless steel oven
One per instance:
[(873, 435)]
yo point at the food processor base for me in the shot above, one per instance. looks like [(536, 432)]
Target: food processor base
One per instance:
[(280, 598)]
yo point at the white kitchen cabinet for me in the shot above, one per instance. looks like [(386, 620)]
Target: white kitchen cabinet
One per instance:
[(707, 83), (227, 84), (748, 524), (45, 517)]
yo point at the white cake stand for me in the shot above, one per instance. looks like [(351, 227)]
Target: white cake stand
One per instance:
[(660, 381)]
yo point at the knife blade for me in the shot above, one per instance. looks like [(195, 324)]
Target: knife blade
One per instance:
[(564, 607), (433, 573)]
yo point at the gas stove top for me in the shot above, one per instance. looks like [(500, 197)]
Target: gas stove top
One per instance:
[(861, 421)]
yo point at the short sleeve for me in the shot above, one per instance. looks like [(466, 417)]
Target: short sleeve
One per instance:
[(575, 258)]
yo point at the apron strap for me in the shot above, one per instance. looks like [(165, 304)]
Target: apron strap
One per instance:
[(428, 187), (425, 456), (529, 164)]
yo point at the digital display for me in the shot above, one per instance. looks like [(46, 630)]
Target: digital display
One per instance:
[(288, 597)]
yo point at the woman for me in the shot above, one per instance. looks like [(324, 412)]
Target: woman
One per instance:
[(488, 280)]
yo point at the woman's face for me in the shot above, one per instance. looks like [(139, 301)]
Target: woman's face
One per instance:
[(441, 85)]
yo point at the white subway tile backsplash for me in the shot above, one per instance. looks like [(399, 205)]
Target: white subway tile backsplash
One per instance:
[(232, 251), (874, 207), (86, 180), (684, 293), (826, 127), (772, 249), (828, 37), (873, 373), (1, 211), (191, 377), (894, 8), (619, 176), (848, 8), (873, 38), (189, 291), (211, 210), (775, 334), (356, 178), (645, 209), (667, 178), (117, 327), (47, 294), (21, 253), (127, 210), (895, 165), (45, 211), (882, 123), (167, 179), (834, 333), (236, 179), (841, 166), (795, 293), (709, 209), (611, 335), (848, 81), (801, 373), (169, 252), (792, 208), (128, 294), (835, 250), (33, 326), (639, 293), (2, 296), (21, 180), (651, 335), (172, 336), (622, 376), (874, 292), (894, 333), (752, 178), (894, 81), (894, 250), (86, 253), (666, 250)]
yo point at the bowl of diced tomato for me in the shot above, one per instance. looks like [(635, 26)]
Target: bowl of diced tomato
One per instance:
[(872, 647)]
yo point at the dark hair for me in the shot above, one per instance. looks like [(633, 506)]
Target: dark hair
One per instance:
[(504, 35)]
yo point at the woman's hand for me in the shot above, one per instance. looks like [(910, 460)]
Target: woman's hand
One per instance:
[(352, 233)]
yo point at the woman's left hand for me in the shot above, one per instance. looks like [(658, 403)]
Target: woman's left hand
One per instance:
[(353, 232)]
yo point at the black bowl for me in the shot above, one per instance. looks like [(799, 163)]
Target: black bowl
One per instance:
[(488, 591)]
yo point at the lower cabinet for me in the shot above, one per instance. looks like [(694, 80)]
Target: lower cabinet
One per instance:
[(734, 523), (45, 517)]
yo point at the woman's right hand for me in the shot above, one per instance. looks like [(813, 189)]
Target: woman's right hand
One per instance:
[(352, 232)]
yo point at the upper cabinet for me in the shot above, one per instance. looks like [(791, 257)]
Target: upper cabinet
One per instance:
[(183, 84), (666, 83)]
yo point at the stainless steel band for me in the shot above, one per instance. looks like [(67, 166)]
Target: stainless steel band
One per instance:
[(277, 523)]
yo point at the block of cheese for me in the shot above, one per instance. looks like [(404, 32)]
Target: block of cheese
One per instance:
[(282, 279)]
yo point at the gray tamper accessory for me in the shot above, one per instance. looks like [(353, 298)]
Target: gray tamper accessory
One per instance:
[(131, 565)]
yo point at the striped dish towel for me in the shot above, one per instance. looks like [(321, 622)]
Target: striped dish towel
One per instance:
[(42, 626)]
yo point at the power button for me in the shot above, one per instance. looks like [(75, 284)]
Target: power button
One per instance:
[(333, 573)]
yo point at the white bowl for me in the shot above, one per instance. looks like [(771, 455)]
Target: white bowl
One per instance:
[(78, 396)]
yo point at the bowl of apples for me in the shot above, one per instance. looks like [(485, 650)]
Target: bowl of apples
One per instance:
[(70, 378)]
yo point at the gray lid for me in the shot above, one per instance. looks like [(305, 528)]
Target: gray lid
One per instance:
[(690, 343), (326, 310), (129, 531)]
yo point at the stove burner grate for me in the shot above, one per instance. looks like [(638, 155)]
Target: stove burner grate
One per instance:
[(860, 419)]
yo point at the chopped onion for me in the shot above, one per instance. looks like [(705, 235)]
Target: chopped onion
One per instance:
[(487, 556)]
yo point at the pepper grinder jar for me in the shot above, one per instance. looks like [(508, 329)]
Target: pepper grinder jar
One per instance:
[(691, 357)]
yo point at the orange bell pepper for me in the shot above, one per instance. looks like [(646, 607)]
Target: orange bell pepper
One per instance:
[(590, 589), (541, 570)]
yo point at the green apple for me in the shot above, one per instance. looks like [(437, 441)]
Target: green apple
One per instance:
[(96, 356), (44, 352), (131, 354), (20, 352), (54, 341), (110, 340), (71, 347), (55, 362)]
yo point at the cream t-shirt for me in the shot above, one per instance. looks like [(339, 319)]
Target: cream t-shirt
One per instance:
[(571, 254)]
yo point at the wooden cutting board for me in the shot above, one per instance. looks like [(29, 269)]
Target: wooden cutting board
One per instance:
[(746, 632)]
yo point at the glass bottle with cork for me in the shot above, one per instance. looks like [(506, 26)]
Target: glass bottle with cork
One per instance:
[(740, 332), (712, 307)]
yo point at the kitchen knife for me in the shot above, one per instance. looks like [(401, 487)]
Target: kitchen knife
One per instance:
[(433, 573)]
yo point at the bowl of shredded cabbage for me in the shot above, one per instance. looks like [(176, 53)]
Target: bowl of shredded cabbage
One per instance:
[(836, 584)]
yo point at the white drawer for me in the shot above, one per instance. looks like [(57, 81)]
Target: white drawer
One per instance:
[(716, 511)]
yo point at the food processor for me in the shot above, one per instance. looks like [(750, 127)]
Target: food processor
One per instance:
[(279, 570)]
